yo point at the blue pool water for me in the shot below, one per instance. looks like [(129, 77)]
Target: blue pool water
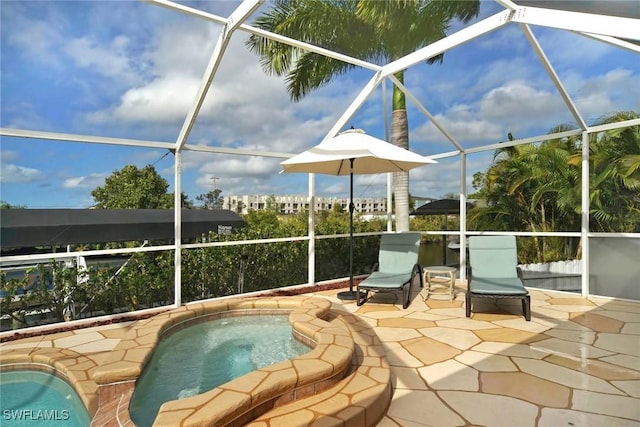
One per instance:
[(34, 398), (208, 354)]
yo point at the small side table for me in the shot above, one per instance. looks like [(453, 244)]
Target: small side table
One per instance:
[(440, 271)]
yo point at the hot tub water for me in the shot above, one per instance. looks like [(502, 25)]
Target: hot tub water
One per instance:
[(208, 354), (34, 398)]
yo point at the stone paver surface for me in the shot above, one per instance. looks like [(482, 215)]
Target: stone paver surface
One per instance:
[(577, 362)]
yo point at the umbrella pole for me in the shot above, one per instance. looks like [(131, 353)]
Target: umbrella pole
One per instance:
[(350, 294), (351, 209)]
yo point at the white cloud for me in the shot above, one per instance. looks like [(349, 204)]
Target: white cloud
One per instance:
[(246, 166), (233, 174), (91, 181), (510, 37), (109, 59), (36, 39), (444, 177), (176, 57), (162, 100), (436, 180), (8, 156), (515, 106), (518, 99), (461, 126), (12, 173), (42, 37), (336, 189), (565, 49), (244, 107), (616, 90), (181, 46)]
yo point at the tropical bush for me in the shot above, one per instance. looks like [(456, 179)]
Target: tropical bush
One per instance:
[(537, 187)]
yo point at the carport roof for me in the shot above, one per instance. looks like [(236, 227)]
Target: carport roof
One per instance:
[(440, 207), (50, 227)]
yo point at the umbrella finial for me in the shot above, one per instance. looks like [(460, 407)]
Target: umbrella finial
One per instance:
[(352, 130)]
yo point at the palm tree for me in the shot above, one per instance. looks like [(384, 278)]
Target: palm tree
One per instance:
[(372, 30), (615, 176)]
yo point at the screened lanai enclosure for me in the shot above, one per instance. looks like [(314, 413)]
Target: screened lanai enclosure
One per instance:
[(513, 87)]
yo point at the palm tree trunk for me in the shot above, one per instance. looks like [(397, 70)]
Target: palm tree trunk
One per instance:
[(400, 138), (543, 216)]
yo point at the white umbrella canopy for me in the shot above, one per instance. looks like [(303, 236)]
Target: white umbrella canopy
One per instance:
[(371, 155), (354, 152)]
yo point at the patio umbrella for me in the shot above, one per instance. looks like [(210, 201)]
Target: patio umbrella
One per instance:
[(354, 152)]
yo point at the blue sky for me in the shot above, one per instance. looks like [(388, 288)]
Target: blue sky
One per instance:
[(131, 70)]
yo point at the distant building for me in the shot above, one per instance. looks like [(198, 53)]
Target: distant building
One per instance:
[(292, 204)]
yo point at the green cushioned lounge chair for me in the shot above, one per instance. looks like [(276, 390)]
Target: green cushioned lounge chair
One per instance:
[(494, 271), (397, 267)]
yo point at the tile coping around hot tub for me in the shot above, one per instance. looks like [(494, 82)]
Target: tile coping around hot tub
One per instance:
[(244, 399)]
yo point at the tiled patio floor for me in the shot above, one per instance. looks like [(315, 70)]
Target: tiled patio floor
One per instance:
[(576, 363)]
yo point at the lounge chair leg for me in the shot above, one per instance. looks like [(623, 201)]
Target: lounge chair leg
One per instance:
[(526, 307), (360, 301), (467, 304), (406, 294)]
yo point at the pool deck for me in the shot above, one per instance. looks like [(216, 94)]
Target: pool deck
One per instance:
[(577, 362)]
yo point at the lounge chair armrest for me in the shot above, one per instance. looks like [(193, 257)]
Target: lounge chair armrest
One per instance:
[(519, 271)]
